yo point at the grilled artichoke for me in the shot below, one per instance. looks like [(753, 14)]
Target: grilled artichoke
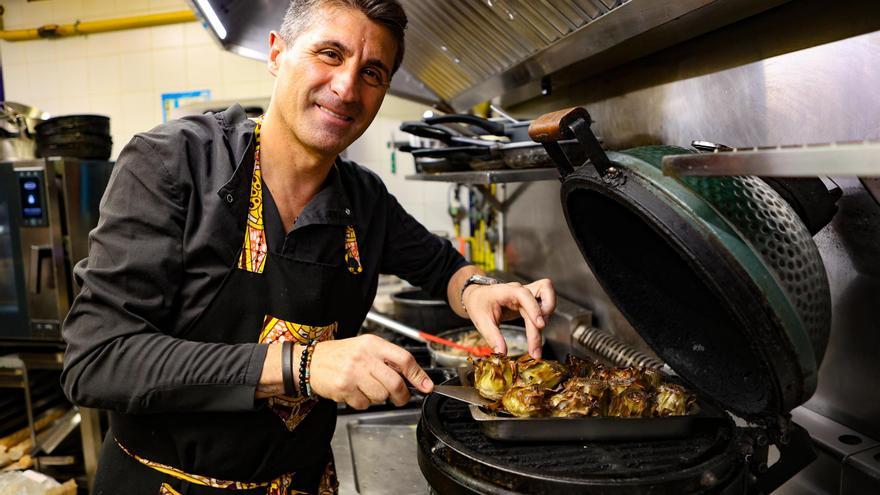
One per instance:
[(649, 379), (494, 375), (631, 403), (579, 368), (672, 400), (617, 386), (571, 403), (543, 373), (525, 401), (595, 390)]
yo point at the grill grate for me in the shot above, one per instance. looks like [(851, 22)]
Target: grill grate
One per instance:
[(585, 461)]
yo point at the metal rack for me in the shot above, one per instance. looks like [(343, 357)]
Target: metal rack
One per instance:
[(486, 177)]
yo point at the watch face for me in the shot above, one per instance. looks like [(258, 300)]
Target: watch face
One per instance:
[(482, 280)]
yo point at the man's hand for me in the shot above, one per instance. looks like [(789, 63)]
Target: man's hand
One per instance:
[(365, 370), (489, 305)]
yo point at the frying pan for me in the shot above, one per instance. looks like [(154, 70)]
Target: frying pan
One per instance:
[(717, 274), (482, 154)]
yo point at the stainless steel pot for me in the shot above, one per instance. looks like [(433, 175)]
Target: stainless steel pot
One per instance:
[(418, 309), (517, 345), (17, 130)]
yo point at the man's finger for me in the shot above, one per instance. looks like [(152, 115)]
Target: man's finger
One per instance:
[(393, 383), (401, 360), (357, 400), (533, 335), (490, 331), (373, 389), (528, 307), (543, 290)]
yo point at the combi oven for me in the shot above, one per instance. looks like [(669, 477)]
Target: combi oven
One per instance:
[(47, 208)]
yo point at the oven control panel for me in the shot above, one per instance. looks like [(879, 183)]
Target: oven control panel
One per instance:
[(32, 194)]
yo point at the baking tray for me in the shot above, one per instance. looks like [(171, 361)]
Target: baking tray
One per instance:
[(505, 428)]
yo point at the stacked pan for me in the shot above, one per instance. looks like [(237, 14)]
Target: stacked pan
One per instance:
[(468, 142), (78, 136)]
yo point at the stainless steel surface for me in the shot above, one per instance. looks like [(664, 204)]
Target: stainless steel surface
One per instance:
[(90, 435), (838, 159), (861, 473), (464, 394), (398, 327), (17, 128), (375, 453), (849, 246), (48, 440), (485, 177), (846, 463), (469, 51), (806, 75), (54, 239)]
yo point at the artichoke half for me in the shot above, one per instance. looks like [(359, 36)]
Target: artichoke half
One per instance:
[(632, 403), (572, 403), (494, 375), (672, 400), (525, 401), (542, 373)]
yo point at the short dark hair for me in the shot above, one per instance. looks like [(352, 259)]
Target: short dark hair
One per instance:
[(389, 13)]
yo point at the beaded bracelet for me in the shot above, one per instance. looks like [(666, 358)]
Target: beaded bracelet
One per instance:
[(287, 368), (305, 368)]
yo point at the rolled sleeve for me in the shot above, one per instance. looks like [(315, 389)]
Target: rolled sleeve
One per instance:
[(121, 353), (416, 255)]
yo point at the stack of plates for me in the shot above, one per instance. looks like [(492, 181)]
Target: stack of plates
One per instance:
[(78, 136)]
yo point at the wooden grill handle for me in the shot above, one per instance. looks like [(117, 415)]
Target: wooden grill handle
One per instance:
[(553, 126)]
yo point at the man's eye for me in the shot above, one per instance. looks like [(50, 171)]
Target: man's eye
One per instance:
[(373, 77), (329, 55)]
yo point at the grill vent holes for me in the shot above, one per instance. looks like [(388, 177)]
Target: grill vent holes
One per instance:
[(772, 227)]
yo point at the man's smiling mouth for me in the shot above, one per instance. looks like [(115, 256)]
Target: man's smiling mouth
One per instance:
[(334, 114)]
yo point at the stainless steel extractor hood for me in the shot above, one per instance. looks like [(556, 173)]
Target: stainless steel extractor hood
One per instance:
[(461, 52)]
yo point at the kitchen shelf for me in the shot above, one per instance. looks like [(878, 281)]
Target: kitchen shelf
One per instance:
[(860, 158), (486, 177)]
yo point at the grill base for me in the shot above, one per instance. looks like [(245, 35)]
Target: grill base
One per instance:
[(455, 457)]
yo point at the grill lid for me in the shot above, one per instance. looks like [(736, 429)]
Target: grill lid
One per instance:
[(718, 274), (719, 277)]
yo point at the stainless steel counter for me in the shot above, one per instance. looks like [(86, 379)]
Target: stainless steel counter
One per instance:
[(384, 444)]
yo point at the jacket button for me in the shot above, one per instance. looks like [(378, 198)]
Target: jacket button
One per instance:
[(347, 211), (229, 198)]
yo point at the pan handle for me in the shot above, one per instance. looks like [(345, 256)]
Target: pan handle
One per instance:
[(494, 128), (426, 131), (566, 124)]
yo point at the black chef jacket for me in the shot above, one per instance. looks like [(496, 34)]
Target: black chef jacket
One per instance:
[(164, 243)]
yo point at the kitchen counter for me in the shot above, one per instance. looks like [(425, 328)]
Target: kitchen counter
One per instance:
[(385, 459)]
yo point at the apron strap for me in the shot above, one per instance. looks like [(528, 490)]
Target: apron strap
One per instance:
[(278, 486)]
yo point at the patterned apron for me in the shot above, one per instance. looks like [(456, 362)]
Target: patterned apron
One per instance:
[(284, 446)]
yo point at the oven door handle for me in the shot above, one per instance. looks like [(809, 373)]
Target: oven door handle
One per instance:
[(38, 253)]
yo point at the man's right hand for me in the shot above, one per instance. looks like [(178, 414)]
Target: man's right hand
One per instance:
[(365, 370)]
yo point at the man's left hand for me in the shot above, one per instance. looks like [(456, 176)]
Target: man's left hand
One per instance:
[(489, 305)]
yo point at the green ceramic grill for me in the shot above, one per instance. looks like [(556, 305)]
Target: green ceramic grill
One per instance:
[(717, 274)]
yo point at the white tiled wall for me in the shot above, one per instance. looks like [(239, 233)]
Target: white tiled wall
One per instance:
[(123, 75)]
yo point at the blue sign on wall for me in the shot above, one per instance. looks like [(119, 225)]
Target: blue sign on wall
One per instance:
[(178, 99)]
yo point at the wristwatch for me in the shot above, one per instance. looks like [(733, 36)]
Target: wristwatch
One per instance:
[(476, 280)]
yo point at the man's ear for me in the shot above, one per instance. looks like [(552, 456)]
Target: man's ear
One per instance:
[(276, 46)]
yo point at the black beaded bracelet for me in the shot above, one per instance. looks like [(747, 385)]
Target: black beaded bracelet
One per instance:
[(304, 362), (287, 368)]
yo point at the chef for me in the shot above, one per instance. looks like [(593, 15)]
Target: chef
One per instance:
[(233, 264)]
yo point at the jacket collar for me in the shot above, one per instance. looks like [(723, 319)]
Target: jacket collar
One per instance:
[(329, 206)]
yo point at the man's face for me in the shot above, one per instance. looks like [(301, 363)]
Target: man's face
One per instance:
[(330, 82)]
